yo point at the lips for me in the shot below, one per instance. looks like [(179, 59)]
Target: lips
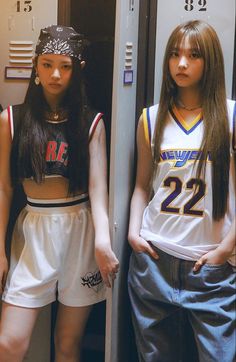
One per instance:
[(55, 85), (183, 75)]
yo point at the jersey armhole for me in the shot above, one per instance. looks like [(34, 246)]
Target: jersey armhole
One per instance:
[(10, 120), (234, 129), (94, 124), (147, 126)]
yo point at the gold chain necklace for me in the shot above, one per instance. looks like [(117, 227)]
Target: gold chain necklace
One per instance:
[(181, 105)]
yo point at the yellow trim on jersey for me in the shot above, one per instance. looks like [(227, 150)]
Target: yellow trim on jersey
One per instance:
[(145, 126), (182, 120)]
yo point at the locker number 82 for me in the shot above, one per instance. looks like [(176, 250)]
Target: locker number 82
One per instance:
[(190, 5), (24, 5)]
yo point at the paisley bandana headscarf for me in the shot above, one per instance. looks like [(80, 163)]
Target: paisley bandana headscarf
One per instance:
[(61, 40)]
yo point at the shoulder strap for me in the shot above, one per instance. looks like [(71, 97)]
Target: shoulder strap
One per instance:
[(14, 115), (10, 121), (149, 122), (96, 119), (147, 126), (234, 129)]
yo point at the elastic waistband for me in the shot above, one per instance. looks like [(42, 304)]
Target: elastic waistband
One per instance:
[(58, 203)]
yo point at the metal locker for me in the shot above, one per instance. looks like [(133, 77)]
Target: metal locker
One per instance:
[(121, 172)]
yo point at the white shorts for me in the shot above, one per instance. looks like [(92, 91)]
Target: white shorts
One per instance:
[(52, 255)]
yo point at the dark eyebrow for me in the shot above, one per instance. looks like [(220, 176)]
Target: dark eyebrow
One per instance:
[(46, 59)]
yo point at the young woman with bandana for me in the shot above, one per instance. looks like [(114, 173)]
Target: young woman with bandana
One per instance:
[(54, 145)]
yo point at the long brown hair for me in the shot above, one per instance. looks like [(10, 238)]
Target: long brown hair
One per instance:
[(216, 138)]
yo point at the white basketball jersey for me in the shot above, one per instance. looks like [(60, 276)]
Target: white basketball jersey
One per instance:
[(178, 219)]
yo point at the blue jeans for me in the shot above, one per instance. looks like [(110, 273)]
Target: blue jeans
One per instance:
[(161, 289)]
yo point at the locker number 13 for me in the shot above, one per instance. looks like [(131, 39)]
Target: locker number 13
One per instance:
[(24, 5), (190, 5)]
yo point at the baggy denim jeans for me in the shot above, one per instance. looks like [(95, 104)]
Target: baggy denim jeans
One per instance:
[(160, 289)]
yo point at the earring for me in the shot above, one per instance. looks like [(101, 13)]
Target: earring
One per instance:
[(37, 80)]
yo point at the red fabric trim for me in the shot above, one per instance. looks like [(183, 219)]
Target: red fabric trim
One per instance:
[(10, 122), (94, 125)]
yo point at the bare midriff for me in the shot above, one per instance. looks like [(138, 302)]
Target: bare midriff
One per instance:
[(51, 188)]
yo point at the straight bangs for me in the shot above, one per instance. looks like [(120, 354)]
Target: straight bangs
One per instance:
[(189, 34)]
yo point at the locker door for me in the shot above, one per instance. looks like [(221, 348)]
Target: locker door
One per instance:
[(121, 172)]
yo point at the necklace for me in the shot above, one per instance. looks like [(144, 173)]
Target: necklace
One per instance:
[(181, 105), (58, 116)]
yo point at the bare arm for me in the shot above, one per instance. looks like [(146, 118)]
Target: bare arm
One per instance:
[(106, 259), (141, 193), (5, 191)]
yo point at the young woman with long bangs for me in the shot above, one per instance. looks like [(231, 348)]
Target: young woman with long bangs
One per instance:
[(182, 219)]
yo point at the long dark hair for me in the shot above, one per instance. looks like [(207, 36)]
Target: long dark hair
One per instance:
[(31, 140), (216, 138)]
